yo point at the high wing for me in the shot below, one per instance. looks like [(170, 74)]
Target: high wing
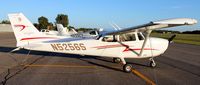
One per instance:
[(153, 26), (156, 25)]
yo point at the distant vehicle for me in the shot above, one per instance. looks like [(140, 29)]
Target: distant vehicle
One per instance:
[(121, 44)]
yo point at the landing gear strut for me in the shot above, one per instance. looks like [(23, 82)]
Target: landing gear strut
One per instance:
[(152, 63)]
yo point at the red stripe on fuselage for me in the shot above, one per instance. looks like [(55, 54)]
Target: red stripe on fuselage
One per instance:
[(33, 38), (134, 49), (119, 45), (110, 46)]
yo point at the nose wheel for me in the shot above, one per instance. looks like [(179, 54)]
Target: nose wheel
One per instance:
[(127, 68), (152, 63)]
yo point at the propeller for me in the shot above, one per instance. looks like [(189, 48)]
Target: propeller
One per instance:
[(171, 38)]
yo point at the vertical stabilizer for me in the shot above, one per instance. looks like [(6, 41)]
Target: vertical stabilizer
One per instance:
[(22, 27), (61, 29)]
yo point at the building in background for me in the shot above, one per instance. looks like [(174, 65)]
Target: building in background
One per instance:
[(5, 28)]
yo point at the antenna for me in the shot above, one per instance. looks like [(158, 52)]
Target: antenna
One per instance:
[(114, 25), (117, 26)]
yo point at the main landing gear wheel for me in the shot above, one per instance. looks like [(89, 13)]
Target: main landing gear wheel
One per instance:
[(116, 60), (152, 63), (127, 68)]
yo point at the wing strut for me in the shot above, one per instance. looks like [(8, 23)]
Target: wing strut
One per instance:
[(145, 41)]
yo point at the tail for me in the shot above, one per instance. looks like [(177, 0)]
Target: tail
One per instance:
[(22, 27), (61, 29)]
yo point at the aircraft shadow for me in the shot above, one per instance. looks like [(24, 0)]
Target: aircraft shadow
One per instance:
[(106, 60), (41, 53), (108, 67)]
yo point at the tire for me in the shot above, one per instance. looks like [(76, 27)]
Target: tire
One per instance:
[(152, 64), (127, 68)]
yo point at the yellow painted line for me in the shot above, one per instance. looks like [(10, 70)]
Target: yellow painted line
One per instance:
[(65, 66), (143, 77)]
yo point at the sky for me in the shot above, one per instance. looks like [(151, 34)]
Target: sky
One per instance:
[(100, 13)]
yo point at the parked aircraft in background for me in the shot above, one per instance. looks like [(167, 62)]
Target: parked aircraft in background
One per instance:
[(63, 31)]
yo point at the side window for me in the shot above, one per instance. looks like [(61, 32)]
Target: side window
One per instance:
[(93, 33), (120, 38), (127, 37), (108, 39)]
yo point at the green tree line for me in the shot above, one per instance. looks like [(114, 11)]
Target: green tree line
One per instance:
[(5, 22), (177, 32), (43, 22), (63, 19)]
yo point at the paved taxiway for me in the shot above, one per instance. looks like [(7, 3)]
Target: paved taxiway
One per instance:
[(180, 65)]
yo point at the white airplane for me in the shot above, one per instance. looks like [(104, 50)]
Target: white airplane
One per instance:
[(63, 31), (121, 44)]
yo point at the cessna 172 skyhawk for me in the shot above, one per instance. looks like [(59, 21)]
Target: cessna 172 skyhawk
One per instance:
[(121, 44)]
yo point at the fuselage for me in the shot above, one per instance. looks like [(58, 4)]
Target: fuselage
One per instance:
[(98, 47)]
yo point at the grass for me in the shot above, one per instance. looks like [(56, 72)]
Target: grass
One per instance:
[(193, 39)]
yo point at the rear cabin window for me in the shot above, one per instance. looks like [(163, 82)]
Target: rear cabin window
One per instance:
[(122, 38), (127, 37), (108, 39), (93, 33)]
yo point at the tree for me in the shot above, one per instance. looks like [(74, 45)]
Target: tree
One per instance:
[(5, 22), (70, 27), (51, 27), (192, 32), (85, 29), (43, 22), (36, 25), (62, 19)]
